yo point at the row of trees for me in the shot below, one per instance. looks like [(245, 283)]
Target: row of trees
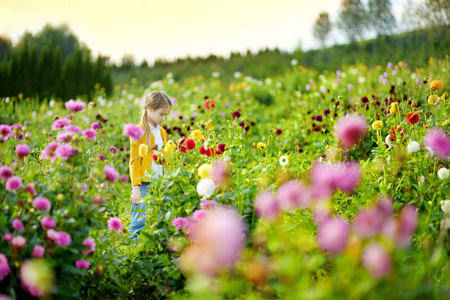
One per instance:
[(355, 19), (36, 68)]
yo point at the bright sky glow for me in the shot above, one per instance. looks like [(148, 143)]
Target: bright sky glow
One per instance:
[(176, 28)]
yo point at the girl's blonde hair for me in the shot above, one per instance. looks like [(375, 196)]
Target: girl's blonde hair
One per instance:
[(155, 100)]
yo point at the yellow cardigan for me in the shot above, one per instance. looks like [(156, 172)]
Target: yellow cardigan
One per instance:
[(138, 165)]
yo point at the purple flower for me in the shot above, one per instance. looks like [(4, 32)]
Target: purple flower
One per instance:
[(52, 234), (42, 203), (369, 222), (22, 151), (13, 183), (18, 241), (111, 173), (376, 260), (389, 65), (207, 204), (4, 267), (438, 140), (66, 151), (266, 206), (95, 126), (50, 151), (333, 235), (406, 226), (63, 239), (15, 164), (220, 171), (179, 223), (350, 130), (74, 106), (307, 87), (48, 222), (113, 150), (114, 224), (82, 264), (17, 224), (101, 157), (350, 86), (292, 194), (326, 112), (318, 118), (236, 114), (64, 137), (199, 214), (132, 131), (38, 251), (90, 243), (89, 133), (60, 124), (5, 172), (5, 132)]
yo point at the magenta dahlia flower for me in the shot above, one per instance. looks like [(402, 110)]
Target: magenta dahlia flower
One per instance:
[(439, 141), (42, 203), (377, 260), (13, 183), (38, 251), (5, 172), (48, 222), (4, 267), (132, 131), (333, 235), (22, 150), (114, 224), (82, 264), (179, 223), (111, 173), (350, 129), (75, 106)]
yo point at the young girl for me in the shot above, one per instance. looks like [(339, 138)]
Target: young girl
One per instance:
[(156, 106)]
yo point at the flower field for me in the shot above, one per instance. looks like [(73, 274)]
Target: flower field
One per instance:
[(302, 186)]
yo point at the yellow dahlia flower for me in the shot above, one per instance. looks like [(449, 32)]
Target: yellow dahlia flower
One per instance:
[(261, 145), (377, 125), (436, 85), (204, 171)]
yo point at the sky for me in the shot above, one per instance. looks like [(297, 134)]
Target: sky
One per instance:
[(169, 29)]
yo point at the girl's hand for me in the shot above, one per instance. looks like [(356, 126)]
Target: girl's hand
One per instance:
[(135, 195)]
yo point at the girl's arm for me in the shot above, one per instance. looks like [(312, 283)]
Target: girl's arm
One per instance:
[(135, 163)]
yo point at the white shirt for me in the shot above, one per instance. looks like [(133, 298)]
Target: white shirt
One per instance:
[(157, 170)]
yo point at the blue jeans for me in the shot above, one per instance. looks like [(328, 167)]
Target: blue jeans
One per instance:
[(137, 221)]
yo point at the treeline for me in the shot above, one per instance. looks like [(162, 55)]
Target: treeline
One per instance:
[(36, 68), (414, 47)]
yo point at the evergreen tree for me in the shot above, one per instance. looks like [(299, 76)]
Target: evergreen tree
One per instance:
[(322, 28), (352, 20), (14, 76), (5, 46)]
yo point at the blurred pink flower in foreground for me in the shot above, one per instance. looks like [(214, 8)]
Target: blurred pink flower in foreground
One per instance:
[(350, 130), (18, 241), (402, 229), (114, 224), (48, 222), (17, 224), (377, 260), (64, 239), (439, 141), (292, 194), (266, 206), (345, 176), (74, 105), (132, 131), (218, 241), (369, 221), (333, 235), (207, 204), (4, 267), (220, 172)]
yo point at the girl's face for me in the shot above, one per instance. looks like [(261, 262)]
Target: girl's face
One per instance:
[(156, 117)]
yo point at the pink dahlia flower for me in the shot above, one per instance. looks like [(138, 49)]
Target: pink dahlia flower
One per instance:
[(266, 205), (350, 129), (376, 260), (113, 150), (17, 225), (345, 176), (8, 237), (38, 251), (179, 223), (82, 264), (292, 194), (95, 126), (18, 241), (5, 172), (89, 133), (13, 183), (199, 214), (22, 151), (439, 141), (66, 151), (42, 203), (111, 173), (60, 124), (75, 106), (31, 189), (208, 204), (50, 151), (5, 132), (73, 129), (90, 243), (114, 224), (64, 239), (48, 222), (132, 131), (4, 267), (333, 235)]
